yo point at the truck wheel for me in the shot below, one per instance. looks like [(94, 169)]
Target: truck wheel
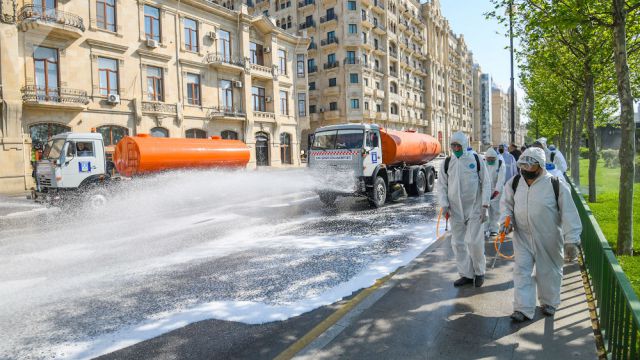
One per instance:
[(328, 199), (419, 185), (378, 194), (97, 199), (431, 180)]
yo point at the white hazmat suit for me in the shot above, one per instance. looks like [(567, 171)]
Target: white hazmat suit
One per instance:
[(497, 173), (559, 162), (510, 163), (541, 228), (464, 191)]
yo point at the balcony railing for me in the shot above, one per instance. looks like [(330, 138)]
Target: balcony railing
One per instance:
[(312, 46), (307, 24), (158, 107), (380, 48), (226, 111), (222, 59), (379, 26), (393, 54), (32, 12), (304, 3), (313, 69), (34, 93), (331, 65), (351, 61), (326, 18), (379, 4), (325, 42)]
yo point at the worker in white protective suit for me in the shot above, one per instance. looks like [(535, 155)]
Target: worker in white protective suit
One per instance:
[(464, 188), (554, 158), (497, 171), (546, 227), (509, 162)]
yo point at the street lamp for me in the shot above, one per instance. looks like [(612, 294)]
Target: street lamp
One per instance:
[(513, 90)]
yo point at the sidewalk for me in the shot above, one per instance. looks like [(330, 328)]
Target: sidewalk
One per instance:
[(420, 315)]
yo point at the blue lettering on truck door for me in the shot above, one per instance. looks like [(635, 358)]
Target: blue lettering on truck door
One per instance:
[(84, 166)]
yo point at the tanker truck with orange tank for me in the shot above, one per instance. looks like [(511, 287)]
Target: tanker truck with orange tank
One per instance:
[(76, 163), (383, 162)]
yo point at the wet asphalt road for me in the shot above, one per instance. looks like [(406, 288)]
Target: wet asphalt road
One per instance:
[(72, 281)]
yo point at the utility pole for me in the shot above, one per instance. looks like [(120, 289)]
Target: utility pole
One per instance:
[(513, 90)]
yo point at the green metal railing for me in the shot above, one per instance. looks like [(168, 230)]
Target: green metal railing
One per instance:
[(617, 305)]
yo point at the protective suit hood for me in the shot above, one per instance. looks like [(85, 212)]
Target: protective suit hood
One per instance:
[(543, 141), (460, 138), (491, 153), (535, 153)]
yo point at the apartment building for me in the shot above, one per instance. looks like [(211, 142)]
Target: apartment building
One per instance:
[(482, 128), (500, 116), (189, 68)]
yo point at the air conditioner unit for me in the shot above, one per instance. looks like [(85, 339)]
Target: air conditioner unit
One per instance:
[(266, 50), (237, 84), (321, 110), (212, 35), (152, 43), (267, 99), (113, 99)]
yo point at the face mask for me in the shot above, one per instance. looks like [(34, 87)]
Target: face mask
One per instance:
[(458, 153), (491, 162), (529, 175), (501, 151)]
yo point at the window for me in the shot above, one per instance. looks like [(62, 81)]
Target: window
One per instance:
[(302, 104), (106, 14), (259, 100), (224, 45), (195, 134), (284, 102), (331, 58), (108, 75), (82, 149), (353, 29), (312, 85), (226, 95), (378, 86), (366, 105), (159, 132), (282, 62), (311, 65), (366, 81), (365, 59), (351, 5), (353, 78), (312, 109), (332, 82), (193, 89), (393, 88), (41, 133), (333, 106), (377, 63), (394, 109), (364, 37), (191, 35), (152, 22), (46, 68), (355, 103), (229, 135), (255, 51), (112, 134), (379, 107), (154, 83), (331, 35), (285, 148), (300, 65)]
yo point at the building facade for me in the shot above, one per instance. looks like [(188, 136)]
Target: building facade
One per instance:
[(483, 128), (499, 116), (191, 68)]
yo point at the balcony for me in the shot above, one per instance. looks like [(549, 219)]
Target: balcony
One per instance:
[(263, 116), (403, 24), (307, 25), (393, 54), (368, 91), (380, 50), (378, 7), (329, 19), (312, 69), (381, 116), (50, 22), (351, 61), (261, 71), (332, 115), (367, 2), (159, 108), (367, 44), (62, 98), (327, 42), (393, 73), (312, 46), (367, 21), (379, 29), (225, 112), (331, 91), (303, 5), (225, 62), (331, 65), (369, 114)]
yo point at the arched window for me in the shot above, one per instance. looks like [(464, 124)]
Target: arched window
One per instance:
[(41, 133), (111, 134), (394, 109), (159, 132), (229, 135), (262, 149), (285, 148), (195, 134)]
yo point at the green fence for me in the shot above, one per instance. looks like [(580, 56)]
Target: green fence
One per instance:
[(617, 305)]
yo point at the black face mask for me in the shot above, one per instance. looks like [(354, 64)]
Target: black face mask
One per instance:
[(529, 175), (501, 151)]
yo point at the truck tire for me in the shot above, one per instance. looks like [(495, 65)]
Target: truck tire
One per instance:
[(431, 179), (378, 194), (419, 185), (328, 199)]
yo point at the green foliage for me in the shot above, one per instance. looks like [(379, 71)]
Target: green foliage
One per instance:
[(610, 157), (584, 152)]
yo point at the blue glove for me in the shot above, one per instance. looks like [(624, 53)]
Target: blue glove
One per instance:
[(550, 166)]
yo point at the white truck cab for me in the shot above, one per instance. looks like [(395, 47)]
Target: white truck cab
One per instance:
[(71, 161)]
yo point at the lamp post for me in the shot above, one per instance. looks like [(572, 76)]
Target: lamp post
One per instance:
[(513, 90)]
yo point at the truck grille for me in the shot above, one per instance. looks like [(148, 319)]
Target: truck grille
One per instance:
[(45, 181)]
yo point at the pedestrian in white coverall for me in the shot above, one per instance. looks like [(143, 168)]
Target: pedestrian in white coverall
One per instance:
[(497, 170), (509, 162), (464, 188), (554, 158), (545, 228)]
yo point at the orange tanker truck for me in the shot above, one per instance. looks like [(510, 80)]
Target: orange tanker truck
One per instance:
[(383, 162), (77, 161)]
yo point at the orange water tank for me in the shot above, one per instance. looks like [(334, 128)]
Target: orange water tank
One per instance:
[(408, 147), (143, 153)]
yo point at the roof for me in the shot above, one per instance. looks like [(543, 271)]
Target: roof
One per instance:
[(74, 135)]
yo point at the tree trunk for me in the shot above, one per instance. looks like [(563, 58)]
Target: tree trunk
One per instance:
[(563, 138), (628, 131), (570, 129), (593, 151), (575, 146)]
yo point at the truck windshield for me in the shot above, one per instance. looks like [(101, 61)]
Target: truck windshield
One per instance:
[(338, 139), (53, 149)]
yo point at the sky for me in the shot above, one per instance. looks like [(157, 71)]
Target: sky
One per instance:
[(484, 37)]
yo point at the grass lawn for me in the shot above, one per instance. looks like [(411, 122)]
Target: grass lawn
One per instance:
[(605, 211)]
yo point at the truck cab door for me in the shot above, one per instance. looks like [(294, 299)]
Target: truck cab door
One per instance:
[(81, 161), (373, 153)]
